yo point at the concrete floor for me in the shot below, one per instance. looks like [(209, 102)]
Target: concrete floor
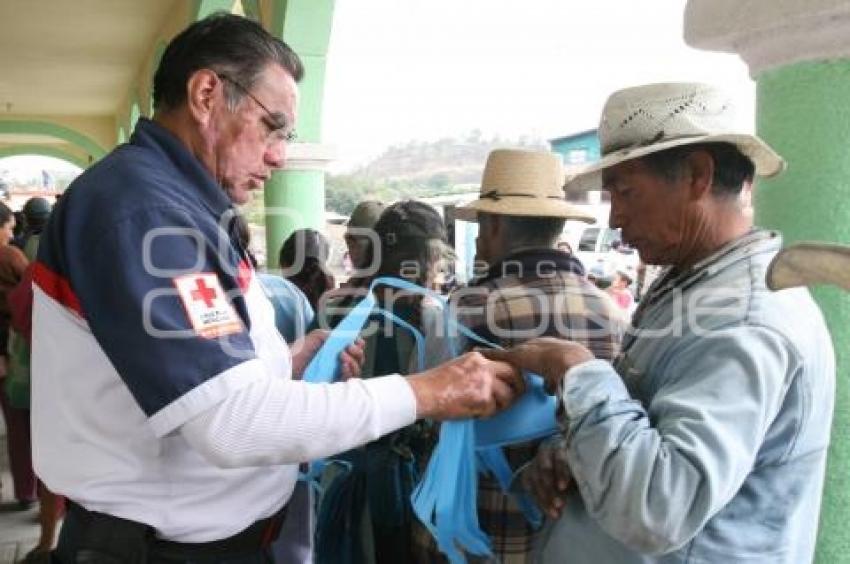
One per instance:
[(18, 529)]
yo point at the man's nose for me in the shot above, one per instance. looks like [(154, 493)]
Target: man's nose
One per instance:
[(615, 215), (275, 155)]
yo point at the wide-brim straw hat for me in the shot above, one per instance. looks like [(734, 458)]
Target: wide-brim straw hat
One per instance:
[(523, 183), (647, 119)]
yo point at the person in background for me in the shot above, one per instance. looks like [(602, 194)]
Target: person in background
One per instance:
[(530, 288), (359, 238), (36, 212), (365, 517), (565, 247), (293, 313), (18, 230), (620, 292), (15, 407), (303, 261), (51, 506)]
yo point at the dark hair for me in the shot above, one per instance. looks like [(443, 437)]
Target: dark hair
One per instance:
[(313, 279), (412, 234), (36, 213), (731, 167), (226, 43), (19, 223), (532, 230), (306, 243), (242, 232), (5, 214)]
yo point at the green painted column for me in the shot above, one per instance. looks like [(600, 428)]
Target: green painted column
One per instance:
[(292, 203), (801, 112), (203, 8), (798, 51), (295, 197)]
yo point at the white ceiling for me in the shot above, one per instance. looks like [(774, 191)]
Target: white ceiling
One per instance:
[(74, 57)]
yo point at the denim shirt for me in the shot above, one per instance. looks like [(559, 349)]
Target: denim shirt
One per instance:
[(707, 440)]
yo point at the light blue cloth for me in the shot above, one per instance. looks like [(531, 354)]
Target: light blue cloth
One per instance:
[(293, 314), (712, 446)]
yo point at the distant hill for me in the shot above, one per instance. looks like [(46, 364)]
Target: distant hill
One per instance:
[(419, 169)]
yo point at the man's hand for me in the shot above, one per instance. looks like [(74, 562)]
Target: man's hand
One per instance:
[(468, 386), (305, 348), (548, 478), (547, 356)]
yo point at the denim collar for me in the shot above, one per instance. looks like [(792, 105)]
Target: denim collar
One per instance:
[(752, 243)]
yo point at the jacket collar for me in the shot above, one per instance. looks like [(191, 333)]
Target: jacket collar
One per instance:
[(537, 261), (199, 181), (755, 242)]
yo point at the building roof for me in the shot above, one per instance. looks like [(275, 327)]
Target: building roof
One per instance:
[(572, 136)]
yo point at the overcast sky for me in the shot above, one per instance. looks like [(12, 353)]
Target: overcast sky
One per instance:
[(400, 70)]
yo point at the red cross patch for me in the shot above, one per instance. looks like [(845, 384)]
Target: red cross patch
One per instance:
[(210, 312)]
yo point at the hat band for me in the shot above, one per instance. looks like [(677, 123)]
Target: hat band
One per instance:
[(495, 195), (647, 142)]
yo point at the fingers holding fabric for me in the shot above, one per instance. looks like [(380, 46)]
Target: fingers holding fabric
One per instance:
[(468, 386), (549, 357), (352, 359)]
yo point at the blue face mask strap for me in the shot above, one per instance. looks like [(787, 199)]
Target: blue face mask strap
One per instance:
[(453, 508), (494, 460), (325, 368), (453, 517)]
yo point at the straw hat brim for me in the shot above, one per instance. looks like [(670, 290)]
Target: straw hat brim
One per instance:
[(808, 264), (767, 162), (530, 207)]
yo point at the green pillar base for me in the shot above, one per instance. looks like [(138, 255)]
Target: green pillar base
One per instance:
[(294, 199), (802, 115)]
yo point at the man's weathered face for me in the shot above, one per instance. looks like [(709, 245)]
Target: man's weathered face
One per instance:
[(251, 143), (651, 210)]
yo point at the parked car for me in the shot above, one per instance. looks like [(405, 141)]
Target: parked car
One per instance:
[(602, 252)]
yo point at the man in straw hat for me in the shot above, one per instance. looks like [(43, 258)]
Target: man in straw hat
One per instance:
[(530, 289), (706, 441)]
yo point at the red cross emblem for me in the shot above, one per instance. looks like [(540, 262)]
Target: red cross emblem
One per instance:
[(203, 293)]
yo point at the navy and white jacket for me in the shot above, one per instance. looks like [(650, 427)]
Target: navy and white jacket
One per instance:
[(145, 316)]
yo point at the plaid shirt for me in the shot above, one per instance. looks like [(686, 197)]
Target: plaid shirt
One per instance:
[(532, 293)]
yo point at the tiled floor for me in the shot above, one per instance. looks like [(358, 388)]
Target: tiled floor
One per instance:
[(18, 529)]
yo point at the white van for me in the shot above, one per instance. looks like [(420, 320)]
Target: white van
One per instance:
[(602, 253)]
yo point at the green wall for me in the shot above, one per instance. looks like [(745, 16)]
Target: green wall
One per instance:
[(802, 114), (305, 25)]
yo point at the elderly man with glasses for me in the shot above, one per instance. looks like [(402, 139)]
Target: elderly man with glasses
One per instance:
[(166, 406)]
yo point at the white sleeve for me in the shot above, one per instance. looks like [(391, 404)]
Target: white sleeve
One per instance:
[(276, 421)]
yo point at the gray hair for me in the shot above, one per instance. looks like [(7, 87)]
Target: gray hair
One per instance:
[(225, 43)]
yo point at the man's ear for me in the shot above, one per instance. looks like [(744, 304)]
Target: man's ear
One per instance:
[(700, 175), (202, 96)]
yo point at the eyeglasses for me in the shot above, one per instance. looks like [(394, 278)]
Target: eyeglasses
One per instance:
[(277, 130)]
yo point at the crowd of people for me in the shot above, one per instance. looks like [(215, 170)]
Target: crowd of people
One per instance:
[(20, 233), (167, 403)]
